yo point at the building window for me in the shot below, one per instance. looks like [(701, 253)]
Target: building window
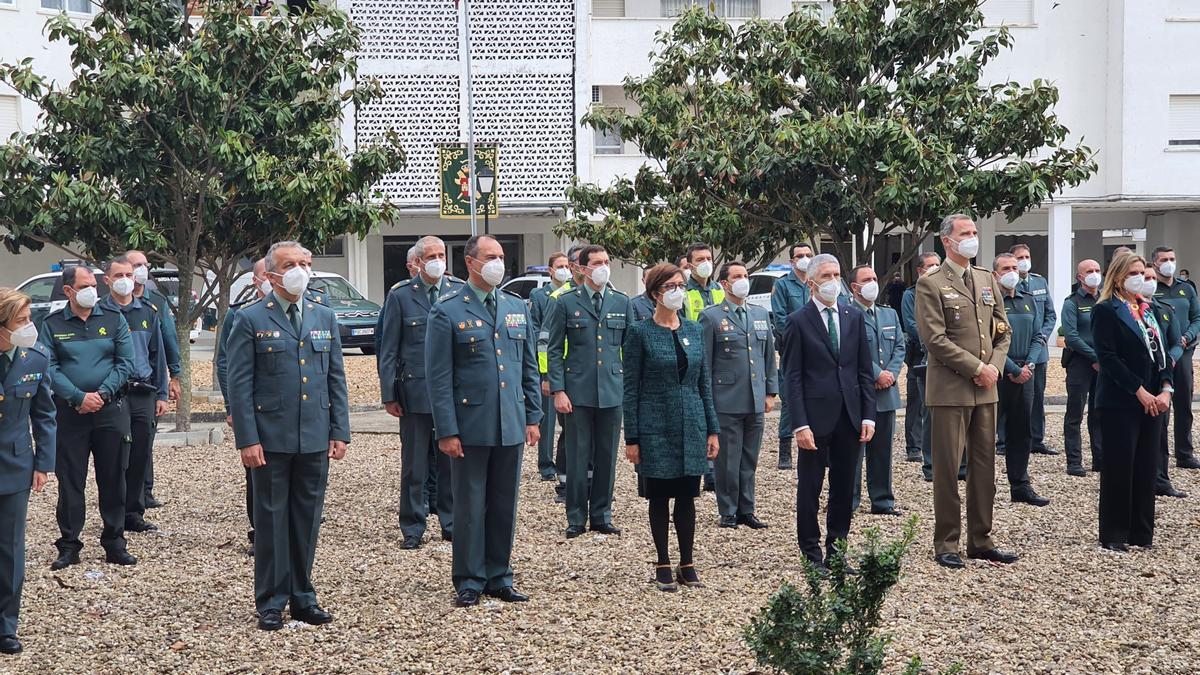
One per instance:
[(1008, 12), (609, 142), (334, 248), (9, 122), (8, 3), (608, 8), (77, 6), (596, 97), (1184, 121), (729, 9), (823, 9)]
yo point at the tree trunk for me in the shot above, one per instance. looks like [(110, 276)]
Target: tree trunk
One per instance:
[(224, 284), (183, 332)]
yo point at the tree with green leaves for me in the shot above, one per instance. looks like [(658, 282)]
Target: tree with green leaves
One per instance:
[(873, 123), (197, 139)]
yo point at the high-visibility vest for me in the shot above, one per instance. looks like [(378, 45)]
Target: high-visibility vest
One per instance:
[(695, 302), (544, 336)]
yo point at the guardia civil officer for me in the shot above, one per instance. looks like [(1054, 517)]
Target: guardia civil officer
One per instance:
[(1015, 388), (586, 328), (885, 342), (539, 300), (560, 456), (401, 365), (481, 370), (739, 352), (91, 359), (1082, 365), (703, 291), (147, 397), (916, 415), (1181, 297), (287, 393), (262, 286), (25, 403), (641, 306), (144, 287), (789, 294), (1037, 287)]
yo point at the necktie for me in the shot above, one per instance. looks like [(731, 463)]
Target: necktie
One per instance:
[(293, 313), (968, 280), (741, 316), (833, 332), (490, 303), (433, 295), (597, 300), (5, 362)]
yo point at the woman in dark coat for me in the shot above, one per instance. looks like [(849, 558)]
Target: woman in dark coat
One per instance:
[(670, 423), (1134, 337)]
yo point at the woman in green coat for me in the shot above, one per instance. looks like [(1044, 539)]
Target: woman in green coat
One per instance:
[(670, 424)]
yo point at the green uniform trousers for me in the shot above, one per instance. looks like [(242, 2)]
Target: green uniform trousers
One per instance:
[(593, 435), (486, 482), (289, 493)]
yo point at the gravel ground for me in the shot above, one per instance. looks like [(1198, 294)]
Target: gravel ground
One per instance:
[(187, 606)]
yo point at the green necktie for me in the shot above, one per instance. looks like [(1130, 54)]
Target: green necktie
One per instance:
[(597, 300), (833, 332), (433, 295), (5, 362), (293, 313), (741, 317), (490, 302)]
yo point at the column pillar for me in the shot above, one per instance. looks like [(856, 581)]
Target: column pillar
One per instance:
[(987, 241), (1059, 270), (357, 266)]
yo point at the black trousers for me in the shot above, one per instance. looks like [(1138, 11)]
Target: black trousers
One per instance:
[(1181, 405), (1131, 444), (1016, 400), (13, 509), (103, 435), (141, 429), (1081, 393), (839, 452), (1037, 420)]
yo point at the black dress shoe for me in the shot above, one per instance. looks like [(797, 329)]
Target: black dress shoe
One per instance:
[(751, 521), (152, 503), (508, 594), (140, 526), (928, 479), (913, 458), (10, 645), (575, 531), (411, 542), (1171, 492), (1115, 547), (728, 521), (1045, 450), (951, 560), (65, 560), (547, 479), (312, 615), (1188, 463), (120, 558), (560, 493), (466, 598), (1077, 471), (710, 485), (1001, 451), (606, 528), (785, 454), (271, 619), (1030, 497), (995, 555), (890, 511)]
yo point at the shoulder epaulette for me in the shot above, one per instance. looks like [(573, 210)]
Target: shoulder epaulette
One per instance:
[(510, 293)]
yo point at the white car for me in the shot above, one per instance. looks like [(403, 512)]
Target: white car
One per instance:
[(524, 286), (761, 285)]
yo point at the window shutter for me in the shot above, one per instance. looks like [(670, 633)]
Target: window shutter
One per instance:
[(608, 8), (8, 117), (1184, 120), (998, 12)]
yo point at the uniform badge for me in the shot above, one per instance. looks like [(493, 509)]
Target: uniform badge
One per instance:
[(514, 320), (462, 325), (1027, 308), (760, 325), (987, 296), (103, 330), (1001, 328), (685, 342), (145, 323), (25, 354), (576, 313), (478, 323)]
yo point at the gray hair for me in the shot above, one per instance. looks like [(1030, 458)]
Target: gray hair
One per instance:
[(926, 256), (814, 265), (948, 222), (419, 248), (278, 245), (998, 258), (412, 254)]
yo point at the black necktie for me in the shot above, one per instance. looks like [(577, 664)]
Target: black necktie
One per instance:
[(490, 303), (597, 300), (5, 362), (293, 313)]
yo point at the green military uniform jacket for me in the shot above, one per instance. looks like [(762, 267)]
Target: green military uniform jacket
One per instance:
[(24, 404), (1038, 289), (166, 320), (1026, 344), (482, 370), (1077, 328), (887, 344), (740, 358), (87, 356), (1181, 298), (539, 302), (584, 348), (787, 295), (287, 389), (401, 331)]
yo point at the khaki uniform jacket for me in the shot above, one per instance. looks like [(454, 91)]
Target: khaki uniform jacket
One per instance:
[(960, 330)]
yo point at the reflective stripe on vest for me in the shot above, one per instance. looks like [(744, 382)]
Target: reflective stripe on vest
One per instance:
[(543, 356), (695, 303)]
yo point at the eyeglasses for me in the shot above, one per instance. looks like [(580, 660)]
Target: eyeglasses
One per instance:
[(667, 288)]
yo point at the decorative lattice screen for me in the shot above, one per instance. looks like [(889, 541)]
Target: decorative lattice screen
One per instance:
[(524, 90)]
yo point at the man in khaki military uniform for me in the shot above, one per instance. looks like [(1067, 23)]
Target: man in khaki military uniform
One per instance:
[(962, 324)]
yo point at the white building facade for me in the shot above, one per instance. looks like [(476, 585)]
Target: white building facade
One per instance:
[(1128, 72)]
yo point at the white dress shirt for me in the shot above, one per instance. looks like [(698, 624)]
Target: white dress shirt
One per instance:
[(837, 325)]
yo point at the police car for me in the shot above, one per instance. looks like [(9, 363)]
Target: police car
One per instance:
[(761, 284), (356, 315)]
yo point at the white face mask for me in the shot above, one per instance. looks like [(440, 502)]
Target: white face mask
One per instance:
[(123, 286), (493, 272), (265, 286), (140, 274), (967, 248), (434, 269), (1134, 284), (1024, 265), (801, 263), (562, 275), (1149, 287), (829, 291), (687, 275), (1167, 269), (740, 288), (870, 291), (673, 299), (600, 275), (87, 297), (24, 336), (931, 269), (704, 270), (1010, 280), (295, 280), (1093, 280)]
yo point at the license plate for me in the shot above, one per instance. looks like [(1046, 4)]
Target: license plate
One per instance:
[(362, 331)]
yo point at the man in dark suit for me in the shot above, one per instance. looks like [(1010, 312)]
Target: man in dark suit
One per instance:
[(831, 404)]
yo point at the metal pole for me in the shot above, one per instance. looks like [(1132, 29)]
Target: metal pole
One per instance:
[(466, 20), (486, 228)]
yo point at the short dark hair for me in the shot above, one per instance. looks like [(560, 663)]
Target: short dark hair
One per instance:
[(1018, 247), (68, 275), (659, 275), (698, 246), (1160, 249), (854, 272), (680, 260), (800, 245), (585, 253), (727, 267), (119, 260), (472, 246), (573, 253)]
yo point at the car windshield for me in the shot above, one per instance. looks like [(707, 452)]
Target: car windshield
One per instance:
[(335, 288)]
